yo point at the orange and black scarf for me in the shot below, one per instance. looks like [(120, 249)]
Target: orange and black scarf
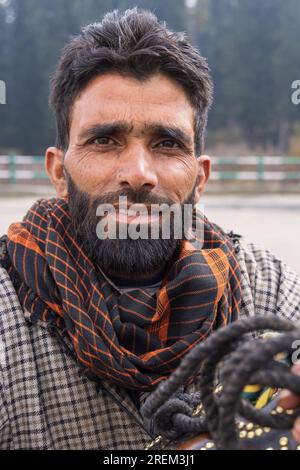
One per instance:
[(134, 339)]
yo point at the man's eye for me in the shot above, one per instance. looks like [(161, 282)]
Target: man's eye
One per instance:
[(169, 144), (103, 141)]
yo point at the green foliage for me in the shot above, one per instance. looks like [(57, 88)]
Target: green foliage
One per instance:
[(252, 48)]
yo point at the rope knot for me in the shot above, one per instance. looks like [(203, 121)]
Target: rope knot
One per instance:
[(166, 418)]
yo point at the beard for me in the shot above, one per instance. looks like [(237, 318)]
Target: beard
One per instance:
[(133, 257)]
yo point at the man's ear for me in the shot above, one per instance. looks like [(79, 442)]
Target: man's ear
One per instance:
[(204, 167), (54, 164)]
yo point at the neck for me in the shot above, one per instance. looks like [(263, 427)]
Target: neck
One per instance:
[(134, 277)]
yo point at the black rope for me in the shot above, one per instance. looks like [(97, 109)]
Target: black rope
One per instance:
[(239, 362)]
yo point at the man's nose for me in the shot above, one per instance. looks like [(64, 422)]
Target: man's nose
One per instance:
[(136, 169)]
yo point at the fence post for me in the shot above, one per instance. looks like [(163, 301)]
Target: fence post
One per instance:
[(12, 169), (261, 168)]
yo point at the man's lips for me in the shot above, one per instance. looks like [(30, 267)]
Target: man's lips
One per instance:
[(138, 213), (141, 218)]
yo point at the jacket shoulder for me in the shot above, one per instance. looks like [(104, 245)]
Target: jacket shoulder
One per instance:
[(269, 285)]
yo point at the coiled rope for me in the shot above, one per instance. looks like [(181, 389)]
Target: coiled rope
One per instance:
[(244, 362)]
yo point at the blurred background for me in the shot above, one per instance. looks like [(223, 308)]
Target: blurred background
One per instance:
[(253, 136)]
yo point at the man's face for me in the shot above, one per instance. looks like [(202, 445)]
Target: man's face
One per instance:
[(129, 138), (135, 150)]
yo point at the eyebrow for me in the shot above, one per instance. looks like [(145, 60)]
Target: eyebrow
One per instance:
[(120, 127), (168, 131), (101, 130)]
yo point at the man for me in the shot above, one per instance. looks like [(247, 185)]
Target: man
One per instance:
[(92, 321)]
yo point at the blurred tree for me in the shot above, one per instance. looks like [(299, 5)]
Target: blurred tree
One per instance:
[(286, 63), (252, 49), (5, 128)]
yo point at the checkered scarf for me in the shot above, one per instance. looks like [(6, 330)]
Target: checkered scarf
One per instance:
[(134, 339)]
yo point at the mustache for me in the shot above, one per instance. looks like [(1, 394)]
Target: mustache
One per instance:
[(141, 196), (133, 197)]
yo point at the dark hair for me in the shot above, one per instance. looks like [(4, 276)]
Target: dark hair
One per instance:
[(133, 43)]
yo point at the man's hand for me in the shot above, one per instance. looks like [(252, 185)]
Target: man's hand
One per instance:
[(289, 400)]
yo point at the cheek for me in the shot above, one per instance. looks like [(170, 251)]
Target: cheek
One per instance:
[(179, 177), (88, 173)]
